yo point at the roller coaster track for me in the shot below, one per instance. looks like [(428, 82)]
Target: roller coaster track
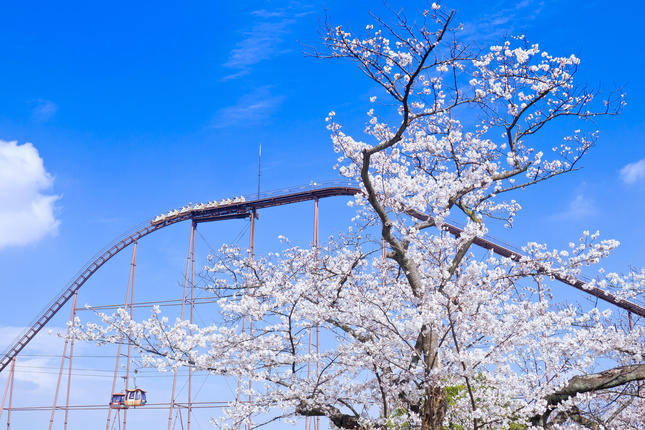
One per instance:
[(576, 283), (244, 209), (222, 212)]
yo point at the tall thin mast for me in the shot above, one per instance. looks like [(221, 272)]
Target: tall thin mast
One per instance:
[(259, 166)]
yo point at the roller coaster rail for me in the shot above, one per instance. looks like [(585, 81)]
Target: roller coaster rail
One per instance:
[(244, 208), (240, 209)]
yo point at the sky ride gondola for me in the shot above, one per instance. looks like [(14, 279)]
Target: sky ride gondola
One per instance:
[(118, 401), (131, 398)]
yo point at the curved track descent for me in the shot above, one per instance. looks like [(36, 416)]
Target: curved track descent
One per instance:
[(243, 208)]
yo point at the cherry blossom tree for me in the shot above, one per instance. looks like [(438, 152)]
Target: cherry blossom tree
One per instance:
[(419, 329)]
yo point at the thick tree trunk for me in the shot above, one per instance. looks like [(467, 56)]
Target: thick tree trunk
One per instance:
[(434, 408)]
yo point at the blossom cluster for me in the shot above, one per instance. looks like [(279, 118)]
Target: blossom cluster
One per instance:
[(408, 313)]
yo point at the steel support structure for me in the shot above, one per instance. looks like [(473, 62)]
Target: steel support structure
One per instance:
[(240, 209), (69, 365), (249, 423), (133, 267), (317, 338), (6, 388), (189, 258), (192, 310), (236, 210), (62, 360), (251, 251), (314, 331), (127, 304), (4, 396), (11, 377)]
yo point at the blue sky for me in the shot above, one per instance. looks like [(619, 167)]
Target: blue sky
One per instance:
[(136, 108)]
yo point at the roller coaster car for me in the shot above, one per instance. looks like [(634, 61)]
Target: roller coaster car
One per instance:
[(131, 398)]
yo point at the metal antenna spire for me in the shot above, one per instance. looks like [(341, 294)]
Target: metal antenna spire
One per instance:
[(259, 166)]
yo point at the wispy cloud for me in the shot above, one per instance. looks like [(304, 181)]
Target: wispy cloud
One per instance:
[(254, 107), (36, 359), (633, 172), (264, 40), (27, 212), (43, 110), (580, 207), (504, 21)]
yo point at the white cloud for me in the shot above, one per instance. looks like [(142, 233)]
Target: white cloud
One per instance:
[(504, 20), (43, 110), (251, 108), (26, 213), (262, 41), (580, 207), (47, 341), (633, 172), (37, 363)]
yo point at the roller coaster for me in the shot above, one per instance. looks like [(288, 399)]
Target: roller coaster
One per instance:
[(242, 207)]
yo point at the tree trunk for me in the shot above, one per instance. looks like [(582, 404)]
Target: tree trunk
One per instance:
[(434, 408)]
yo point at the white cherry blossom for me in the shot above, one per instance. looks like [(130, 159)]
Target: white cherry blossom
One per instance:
[(438, 334)]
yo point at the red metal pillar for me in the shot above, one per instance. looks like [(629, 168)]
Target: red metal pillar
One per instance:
[(307, 421), (317, 419), (62, 363), (249, 424), (69, 368), (252, 218), (118, 349), (11, 375), (192, 309), (4, 396), (314, 332), (116, 371), (183, 304), (252, 236), (60, 376), (239, 378), (133, 266), (6, 388)]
